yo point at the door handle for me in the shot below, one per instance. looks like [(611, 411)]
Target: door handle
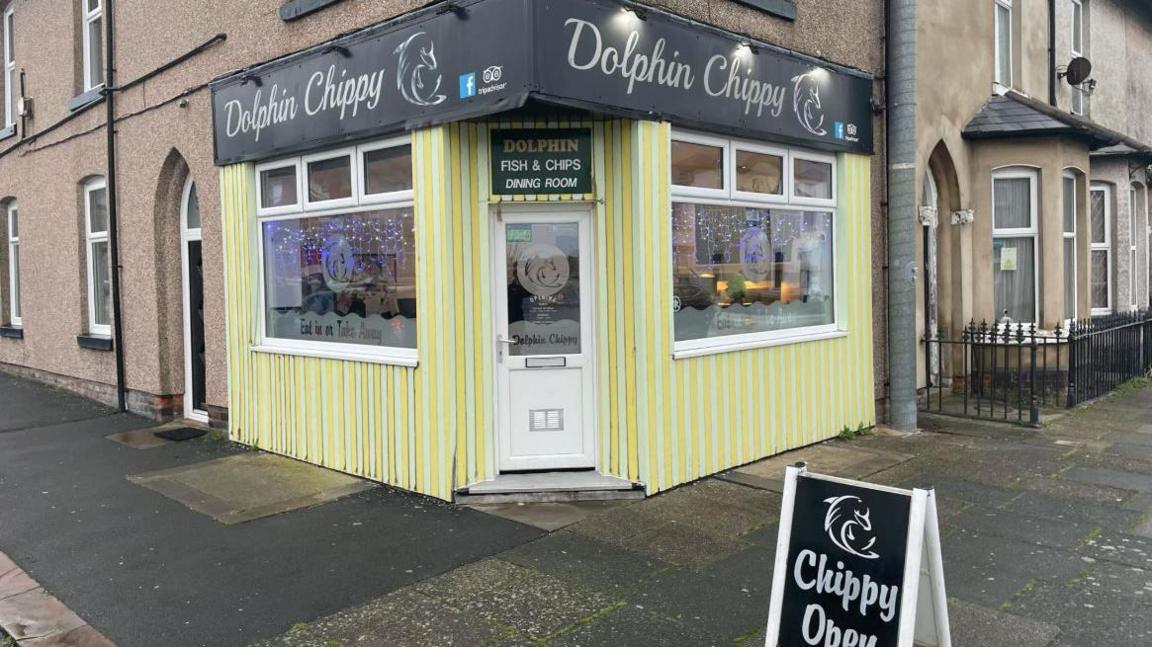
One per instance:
[(502, 340)]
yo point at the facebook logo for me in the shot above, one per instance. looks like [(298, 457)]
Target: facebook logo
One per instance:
[(838, 128), (467, 85)]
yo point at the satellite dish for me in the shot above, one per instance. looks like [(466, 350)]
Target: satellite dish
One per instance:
[(1078, 70)]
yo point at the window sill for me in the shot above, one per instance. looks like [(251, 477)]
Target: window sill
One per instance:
[(398, 359), (780, 8), (94, 342), (10, 131), (90, 97), (764, 343), (12, 332)]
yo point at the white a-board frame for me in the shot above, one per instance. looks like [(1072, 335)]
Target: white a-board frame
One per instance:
[(926, 622)]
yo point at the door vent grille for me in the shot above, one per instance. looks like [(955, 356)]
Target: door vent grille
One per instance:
[(545, 420)]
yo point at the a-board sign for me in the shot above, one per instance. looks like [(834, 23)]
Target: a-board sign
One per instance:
[(849, 561), (541, 160)]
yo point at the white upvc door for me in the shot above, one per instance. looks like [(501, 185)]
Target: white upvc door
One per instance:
[(544, 347)]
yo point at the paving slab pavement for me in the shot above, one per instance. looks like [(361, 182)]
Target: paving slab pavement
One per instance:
[(145, 570)]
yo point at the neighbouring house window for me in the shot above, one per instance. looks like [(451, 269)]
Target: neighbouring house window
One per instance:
[(1003, 42), (752, 243), (1132, 194), (1078, 94), (1101, 250), (1014, 233), (14, 316), (338, 253), (11, 92), (93, 54), (99, 258), (1070, 207)]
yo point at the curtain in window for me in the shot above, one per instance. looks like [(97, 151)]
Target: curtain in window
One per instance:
[(1013, 203), (1014, 277)]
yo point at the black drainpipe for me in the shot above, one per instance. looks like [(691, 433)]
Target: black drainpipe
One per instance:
[(113, 235), (1052, 52)]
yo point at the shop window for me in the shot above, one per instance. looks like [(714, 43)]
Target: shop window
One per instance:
[(1003, 36), (11, 91), (14, 317), (752, 266), (93, 45), (1070, 207), (99, 258), (1014, 234), (1101, 248), (338, 269)]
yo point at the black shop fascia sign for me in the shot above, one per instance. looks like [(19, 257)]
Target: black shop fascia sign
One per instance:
[(464, 60)]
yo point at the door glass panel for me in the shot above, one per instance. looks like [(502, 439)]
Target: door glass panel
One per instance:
[(543, 278)]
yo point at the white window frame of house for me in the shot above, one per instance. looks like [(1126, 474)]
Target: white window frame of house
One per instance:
[(14, 306), (9, 66), (90, 16), (1032, 231), (91, 239), (1076, 45), (728, 196), (999, 55), (1132, 301), (1071, 235), (1105, 246), (304, 209)]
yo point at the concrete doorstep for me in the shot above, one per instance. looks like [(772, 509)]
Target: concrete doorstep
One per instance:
[(32, 617)]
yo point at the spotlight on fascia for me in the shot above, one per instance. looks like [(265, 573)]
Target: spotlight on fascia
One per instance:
[(630, 16), (746, 50), (819, 73)]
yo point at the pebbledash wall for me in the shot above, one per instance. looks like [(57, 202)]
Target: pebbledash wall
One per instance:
[(661, 421)]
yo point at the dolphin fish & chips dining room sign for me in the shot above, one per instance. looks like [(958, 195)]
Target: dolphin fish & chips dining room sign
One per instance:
[(541, 161), (850, 560)]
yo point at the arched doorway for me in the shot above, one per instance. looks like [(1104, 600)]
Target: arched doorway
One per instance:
[(192, 270)]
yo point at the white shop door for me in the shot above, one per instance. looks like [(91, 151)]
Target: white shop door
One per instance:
[(544, 350)]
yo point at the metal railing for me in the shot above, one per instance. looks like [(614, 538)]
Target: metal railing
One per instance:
[(1013, 371)]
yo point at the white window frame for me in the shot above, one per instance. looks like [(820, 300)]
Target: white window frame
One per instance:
[(86, 57), (730, 197), (1077, 34), (1032, 231), (1071, 235), (14, 303), (1105, 246), (361, 184), (810, 156), (302, 211), (9, 67), (786, 176), (295, 207), (335, 203), (1132, 301), (997, 55), (91, 239)]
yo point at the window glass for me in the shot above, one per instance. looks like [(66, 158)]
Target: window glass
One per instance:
[(95, 58), (1014, 277), (93, 5), (543, 283), (101, 284), (13, 223), (1013, 203), (812, 179), (192, 209), (1100, 279), (742, 270), (348, 279), (278, 187), (1069, 205), (9, 31), (388, 169), (1069, 278), (759, 173), (1077, 28), (98, 210), (1099, 217), (330, 179), (1003, 45), (697, 165)]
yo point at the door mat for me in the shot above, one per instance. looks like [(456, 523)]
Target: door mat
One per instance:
[(181, 433)]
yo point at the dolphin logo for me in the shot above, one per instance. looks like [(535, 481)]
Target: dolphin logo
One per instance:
[(849, 526), (417, 58), (806, 103)]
